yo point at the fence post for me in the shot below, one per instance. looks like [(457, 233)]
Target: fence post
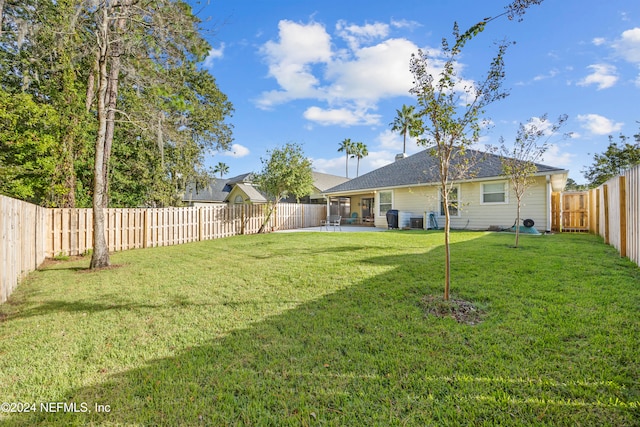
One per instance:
[(623, 216), (200, 224), (598, 211), (605, 196)]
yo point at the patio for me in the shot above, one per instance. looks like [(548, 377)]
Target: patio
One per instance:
[(343, 229)]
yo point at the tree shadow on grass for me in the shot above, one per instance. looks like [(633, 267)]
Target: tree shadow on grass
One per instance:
[(365, 355)]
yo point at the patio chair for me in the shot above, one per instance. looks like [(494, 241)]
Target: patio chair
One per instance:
[(331, 220), (353, 219)]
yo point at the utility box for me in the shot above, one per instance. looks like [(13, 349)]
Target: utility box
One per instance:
[(417, 223)]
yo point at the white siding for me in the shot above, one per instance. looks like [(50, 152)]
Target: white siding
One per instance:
[(473, 214)]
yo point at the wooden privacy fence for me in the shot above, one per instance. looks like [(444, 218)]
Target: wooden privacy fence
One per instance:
[(611, 211), (30, 233), (575, 211), (71, 230), (614, 211), (22, 242)]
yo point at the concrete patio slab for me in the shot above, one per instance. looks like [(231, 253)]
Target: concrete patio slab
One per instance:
[(343, 229)]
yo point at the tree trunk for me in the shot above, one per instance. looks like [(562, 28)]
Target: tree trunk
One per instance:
[(517, 223), (111, 102), (100, 256), (346, 168), (447, 251), (404, 142), (272, 208)]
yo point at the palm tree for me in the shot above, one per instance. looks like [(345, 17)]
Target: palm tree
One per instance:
[(221, 168), (359, 150), (406, 122), (346, 146)]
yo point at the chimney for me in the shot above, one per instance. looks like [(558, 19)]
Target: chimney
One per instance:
[(400, 156)]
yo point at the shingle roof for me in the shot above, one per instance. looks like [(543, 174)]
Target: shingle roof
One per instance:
[(218, 189), (324, 181), (422, 168), (215, 191)]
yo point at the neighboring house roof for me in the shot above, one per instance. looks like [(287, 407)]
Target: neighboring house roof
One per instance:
[(324, 181), (245, 177), (422, 168), (215, 191), (218, 190)]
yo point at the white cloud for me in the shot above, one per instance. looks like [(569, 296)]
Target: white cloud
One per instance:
[(390, 140), (336, 165), (599, 125), (598, 41), (351, 80), (549, 75), (355, 35), (403, 23), (290, 61), (374, 72), (236, 151), (213, 55), (377, 159), (393, 141), (554, 156), (628, 45), (340, 116), (604, 75)]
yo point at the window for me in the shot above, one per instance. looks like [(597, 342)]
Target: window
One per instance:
[(494, 193), (453, 202), (386, 202), (238, 199)]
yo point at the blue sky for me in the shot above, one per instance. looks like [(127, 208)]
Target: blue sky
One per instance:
[(317, 72)]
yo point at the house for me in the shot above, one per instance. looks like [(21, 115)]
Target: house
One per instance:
[(241, 189), (482, 201), (217, 190)]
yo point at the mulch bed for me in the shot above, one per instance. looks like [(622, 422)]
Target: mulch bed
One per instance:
[(460, 310)]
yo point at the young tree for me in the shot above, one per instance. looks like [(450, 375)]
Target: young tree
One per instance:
[(221, 168), (447, 127), (286, 172), (519, 161), (615, 160), (450, 109), (406, 122), (359, 151), (347, 146)]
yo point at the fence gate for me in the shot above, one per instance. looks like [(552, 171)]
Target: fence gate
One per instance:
[(575, 212)]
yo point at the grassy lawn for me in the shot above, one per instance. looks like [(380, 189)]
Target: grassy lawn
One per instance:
[(329, 329)]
